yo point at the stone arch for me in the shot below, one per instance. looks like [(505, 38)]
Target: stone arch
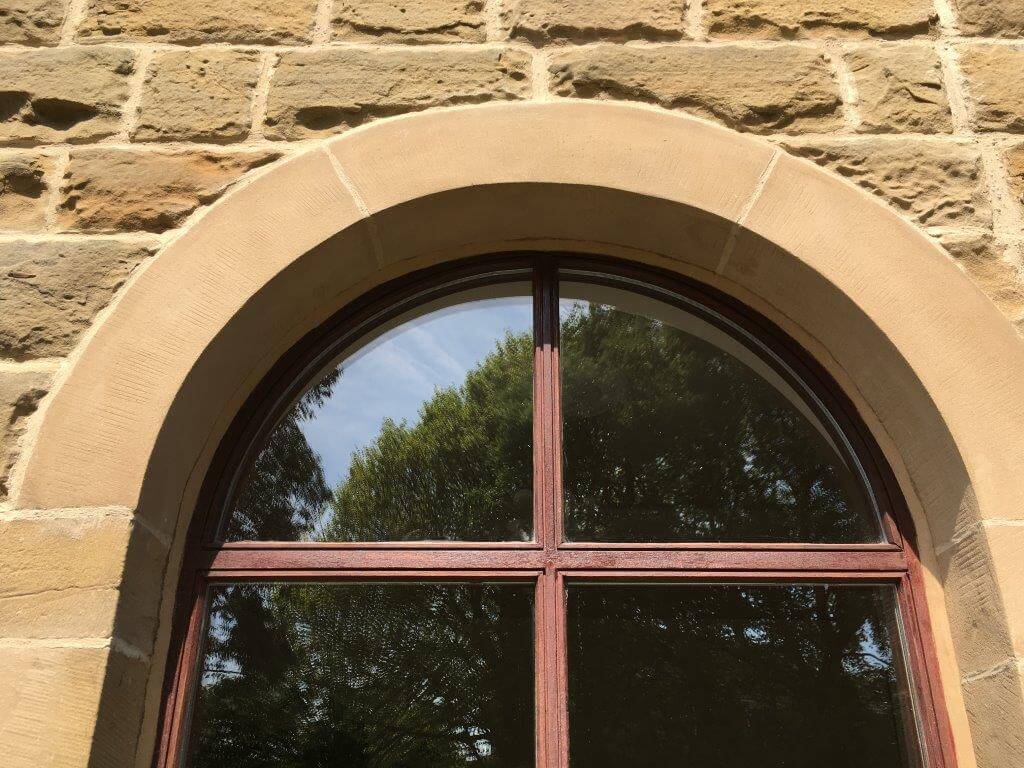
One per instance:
[(936, 372)]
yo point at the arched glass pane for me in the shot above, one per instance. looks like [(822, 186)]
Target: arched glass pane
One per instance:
[(421, 432), (675, 431)]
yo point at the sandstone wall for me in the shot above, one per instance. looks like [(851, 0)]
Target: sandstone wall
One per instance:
[(120, 120)]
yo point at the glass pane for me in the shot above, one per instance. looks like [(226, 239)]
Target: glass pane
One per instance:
[(736, 675), (675, 431), (360, 675), (422, 432)]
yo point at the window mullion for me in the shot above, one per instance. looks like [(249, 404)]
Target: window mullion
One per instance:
[(546, 426)]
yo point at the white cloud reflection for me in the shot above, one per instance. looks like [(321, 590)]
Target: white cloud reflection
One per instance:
[(396, 373)]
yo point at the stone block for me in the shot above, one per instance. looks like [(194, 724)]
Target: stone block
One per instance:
[(790, 19), (900, 88), (413, 21), (545, 21), (22, 191)]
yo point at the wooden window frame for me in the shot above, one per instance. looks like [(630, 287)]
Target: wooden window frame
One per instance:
[(548, 561)]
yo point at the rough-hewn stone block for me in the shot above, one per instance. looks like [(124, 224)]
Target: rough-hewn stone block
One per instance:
[(31, 22), (51, 699), (544, 21), (790, 19), (995, 710), (20, 394), (994, 75), (787, 88), (1014, 159), (314, 93), (422, 21), (985, 262), (106, 190), (62, 94), (200, 95), (192, 22), (991, 18), (22, 191), (933, 184), (900, 89), (51, 291)]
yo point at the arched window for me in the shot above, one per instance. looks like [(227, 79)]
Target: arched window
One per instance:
[(547, 510)]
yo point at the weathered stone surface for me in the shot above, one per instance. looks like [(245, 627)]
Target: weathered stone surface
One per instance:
[(1014, 159), (51, 699), (22, 191), (991, 18), (421, 21), (199, 95), (192, 22), (106, 190), (62, 94), (544, 21), (987, 265), (317, 92), (995, 710), (788, 88), (994, 76), (900, 89), (977, 618), (31, 22), (789, 19), (51, 291), (20, 394), (933, 184)]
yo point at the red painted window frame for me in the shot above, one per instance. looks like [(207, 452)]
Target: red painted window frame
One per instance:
[(548, 561)]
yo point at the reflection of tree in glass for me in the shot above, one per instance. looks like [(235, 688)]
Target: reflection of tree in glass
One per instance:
[(667, 438), (366, 676), (715, 675)]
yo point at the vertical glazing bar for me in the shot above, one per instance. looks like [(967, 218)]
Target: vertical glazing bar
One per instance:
[(545, 457), (551, 704), (560, 674)]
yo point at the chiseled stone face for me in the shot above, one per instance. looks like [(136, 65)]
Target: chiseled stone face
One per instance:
[(62, 94), (1014, 158), (414, 21), (933, 184), (788, 89), (50, 291), (31, 22), (192, 22), (203, 95), (20, 394), (790, 19), (22, 191), (112, 190), (991, 18), (994, 81), (545, 21), (900, 89), (317, 92)]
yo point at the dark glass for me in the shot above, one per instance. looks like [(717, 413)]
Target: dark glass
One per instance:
[(675, 431), (422, 433), (424, 675), (733, 676)]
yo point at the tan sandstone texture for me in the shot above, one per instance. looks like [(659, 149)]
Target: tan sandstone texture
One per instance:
[(20, 394), (50, 291), (62, 94), (811, 18), (22, 190), (420, 21), (995, 74), (933, 184), (788, 88), (49, 698), (1014, 158), (192, 22), (991, 18), (544, 21), (198, 96), (107, 190), (316, 93), (31, 22), (986, 263), (899, 89)]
